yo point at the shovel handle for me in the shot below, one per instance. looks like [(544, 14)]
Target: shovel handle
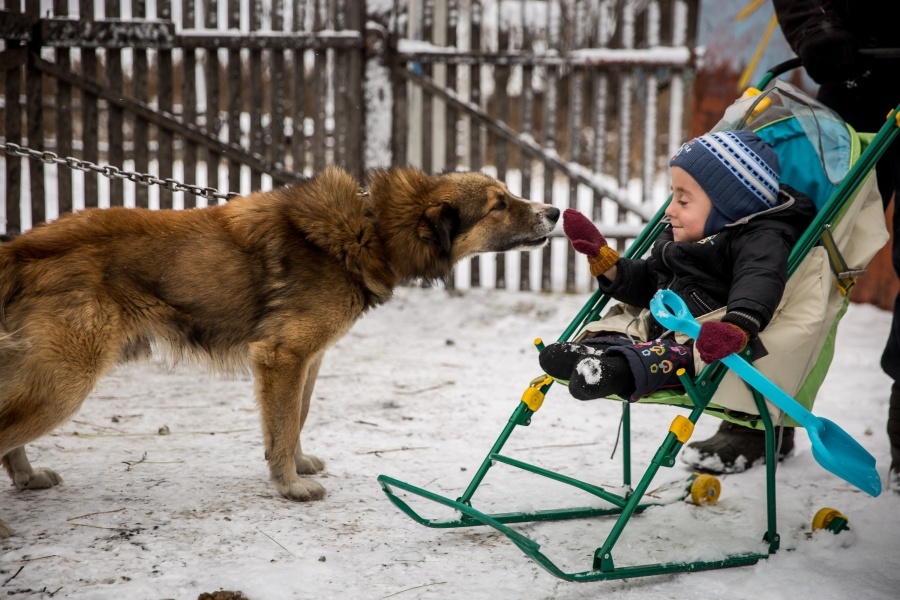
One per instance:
[(669, 309)]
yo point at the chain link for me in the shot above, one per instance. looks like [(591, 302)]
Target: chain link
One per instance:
[(111, 172)]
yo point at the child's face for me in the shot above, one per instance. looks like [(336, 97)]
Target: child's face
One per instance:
[(689, 208)]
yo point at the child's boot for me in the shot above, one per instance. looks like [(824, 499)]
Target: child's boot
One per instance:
[(559, 359), (735, 448), (601, 377), (893, 429)]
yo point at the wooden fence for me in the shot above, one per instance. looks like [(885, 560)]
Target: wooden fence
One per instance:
[(574, 102)]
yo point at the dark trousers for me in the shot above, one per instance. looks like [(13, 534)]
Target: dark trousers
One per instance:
[(867, 115)]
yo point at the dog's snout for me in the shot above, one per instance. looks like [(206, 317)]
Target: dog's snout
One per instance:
[(553, 214)]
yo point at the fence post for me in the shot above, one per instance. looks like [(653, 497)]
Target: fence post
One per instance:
[(356, 118), (34, 89)]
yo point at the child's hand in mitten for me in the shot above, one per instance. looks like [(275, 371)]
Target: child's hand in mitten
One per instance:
[(718, 339), (588, 240)]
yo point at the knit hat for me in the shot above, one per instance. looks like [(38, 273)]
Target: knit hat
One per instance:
[(737, 170)]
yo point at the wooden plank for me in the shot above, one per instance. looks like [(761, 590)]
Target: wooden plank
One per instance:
[(548, 135), (451, 114), (13, 134), (625, 82), (255, 93), (298, 94), (164, 87), (107, 33), (426, 28), (320, 91), (573, 130), (235, 105), (342, 101), (34, 91), (399, 107), (90, 122), (356, 117), (15, 26), (526, 103), (63, 121), (475, 159), (212, 91), (276, 149), (318, 41), (501, 148), (648, 57), (189, 101), (115, 119), (141, 142), (600, 107)]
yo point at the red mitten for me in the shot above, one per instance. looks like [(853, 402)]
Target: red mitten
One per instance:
[(718, 339), (588, 240)]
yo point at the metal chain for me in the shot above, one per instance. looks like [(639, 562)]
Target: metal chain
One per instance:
[(114, 172)]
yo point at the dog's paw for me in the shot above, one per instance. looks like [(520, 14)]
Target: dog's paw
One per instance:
[(39, 479), (5, 530), (301, 490), (307, 464)]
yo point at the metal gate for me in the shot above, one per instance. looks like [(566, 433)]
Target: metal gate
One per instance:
[(575, 102)]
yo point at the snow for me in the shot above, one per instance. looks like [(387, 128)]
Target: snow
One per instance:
[(419, 390)]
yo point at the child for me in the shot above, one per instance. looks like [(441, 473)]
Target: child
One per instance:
[(731, 229)]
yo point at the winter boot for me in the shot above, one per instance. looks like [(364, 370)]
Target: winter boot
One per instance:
[(893, 429), (558, 360), (601, 377), (735, 448)]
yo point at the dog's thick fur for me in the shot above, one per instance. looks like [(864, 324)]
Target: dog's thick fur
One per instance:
[(267, 281)]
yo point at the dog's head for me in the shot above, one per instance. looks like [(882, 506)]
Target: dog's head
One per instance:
[(456, 214), (474, 213)]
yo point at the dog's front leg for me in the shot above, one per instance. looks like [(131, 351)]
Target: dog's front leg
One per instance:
[(281, 374), (308, 464)]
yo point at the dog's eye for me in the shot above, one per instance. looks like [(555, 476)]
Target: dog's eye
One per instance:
[(500, 205)]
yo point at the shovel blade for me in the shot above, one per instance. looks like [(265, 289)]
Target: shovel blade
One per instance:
[(836, 451)]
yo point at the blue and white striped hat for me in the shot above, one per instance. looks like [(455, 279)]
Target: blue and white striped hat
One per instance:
[(737, 170)]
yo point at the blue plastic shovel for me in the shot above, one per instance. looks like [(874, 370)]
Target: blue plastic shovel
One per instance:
[(832, 447)]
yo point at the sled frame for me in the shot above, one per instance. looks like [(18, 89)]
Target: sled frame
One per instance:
[(699, 392)]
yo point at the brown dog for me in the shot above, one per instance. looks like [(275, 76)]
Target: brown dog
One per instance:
[(269, 280)]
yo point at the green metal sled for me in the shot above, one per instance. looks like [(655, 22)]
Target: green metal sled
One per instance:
[(832, 198)]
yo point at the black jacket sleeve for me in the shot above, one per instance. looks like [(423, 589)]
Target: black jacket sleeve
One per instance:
[(760, 256), (635, 282)]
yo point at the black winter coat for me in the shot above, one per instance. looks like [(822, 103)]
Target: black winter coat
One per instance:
[(743, 267)]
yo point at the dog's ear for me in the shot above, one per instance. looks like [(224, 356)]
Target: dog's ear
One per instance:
[(439, 224)]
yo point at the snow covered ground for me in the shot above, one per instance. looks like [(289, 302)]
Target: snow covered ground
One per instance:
[(419, 390)]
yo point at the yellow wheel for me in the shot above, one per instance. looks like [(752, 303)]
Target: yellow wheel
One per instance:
[(824, 517), (705, 489)]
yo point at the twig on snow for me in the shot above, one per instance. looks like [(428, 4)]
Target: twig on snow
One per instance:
[(401, 449), (115, 435), (413, 588), (103, 512), (130, 463), (428, 389), (276, 541), (14, 575)]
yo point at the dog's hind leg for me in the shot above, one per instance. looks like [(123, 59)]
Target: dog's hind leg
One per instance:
[(308, 464), (24, 476), (281, 374), (45, 385)]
